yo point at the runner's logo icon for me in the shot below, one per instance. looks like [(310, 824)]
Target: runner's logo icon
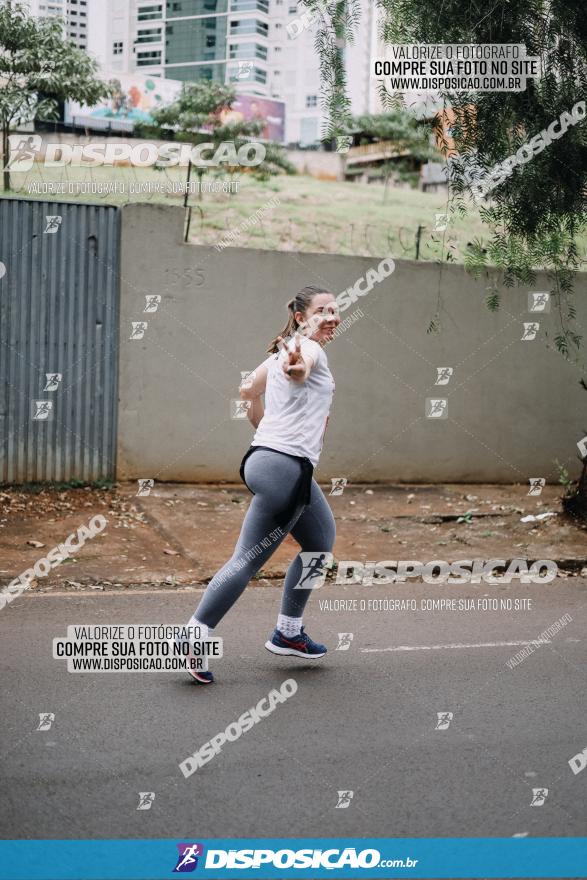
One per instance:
[(443, 375), (537, 484), (46, 719), (344, 800), (54, 221), (152, 302), (436, 408), (42, 410), (146, 799), (24, 149), (338, 485), (539, 301), (138, 329), (539, 796), (187, 860), (314, 568), (344, 641), (239, 408), (531, 329), (444, 719), (53, 380)]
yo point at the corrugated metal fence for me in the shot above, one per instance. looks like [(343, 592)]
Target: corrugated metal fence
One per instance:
[(59, 306)]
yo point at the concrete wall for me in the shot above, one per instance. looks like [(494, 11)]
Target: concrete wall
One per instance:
[(318, 163), (513, 406)]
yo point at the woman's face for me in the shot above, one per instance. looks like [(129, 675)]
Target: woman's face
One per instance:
[(321, 318)]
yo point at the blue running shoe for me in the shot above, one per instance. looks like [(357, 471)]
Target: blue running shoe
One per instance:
[(200, 677), (197, 675), (299, 646)]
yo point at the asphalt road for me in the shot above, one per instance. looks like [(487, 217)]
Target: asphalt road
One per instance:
[(362, 720)]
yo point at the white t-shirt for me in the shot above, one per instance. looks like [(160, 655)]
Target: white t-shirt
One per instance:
[(296, 412)]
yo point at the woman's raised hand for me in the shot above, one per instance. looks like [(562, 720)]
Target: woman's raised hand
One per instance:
[(294, 365)]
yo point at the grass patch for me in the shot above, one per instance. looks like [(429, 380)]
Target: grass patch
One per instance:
[(316, 216)]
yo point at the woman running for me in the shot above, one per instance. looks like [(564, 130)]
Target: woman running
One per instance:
[(278, 470)]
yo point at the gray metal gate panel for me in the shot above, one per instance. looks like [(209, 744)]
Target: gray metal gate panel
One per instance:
[(59, 306)]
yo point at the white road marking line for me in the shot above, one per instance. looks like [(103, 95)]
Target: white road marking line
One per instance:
[(448, 647)]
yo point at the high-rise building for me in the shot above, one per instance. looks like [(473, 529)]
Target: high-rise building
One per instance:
[(73, 15), (111, 35), (204, 39), (247, 42)]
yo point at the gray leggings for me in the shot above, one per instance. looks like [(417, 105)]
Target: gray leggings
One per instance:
[(275, 480)]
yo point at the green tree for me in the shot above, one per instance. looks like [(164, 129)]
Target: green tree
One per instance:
[(534, 216), (38, 69), (195, 118)]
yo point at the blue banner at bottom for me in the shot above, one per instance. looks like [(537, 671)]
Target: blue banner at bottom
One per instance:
[(294, 857)]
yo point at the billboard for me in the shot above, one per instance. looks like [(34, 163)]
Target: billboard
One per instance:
[(134, 98), (251, 107)]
